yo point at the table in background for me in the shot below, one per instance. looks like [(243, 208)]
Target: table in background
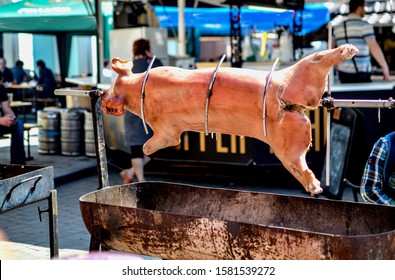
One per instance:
[(22, 87), (21, 104)]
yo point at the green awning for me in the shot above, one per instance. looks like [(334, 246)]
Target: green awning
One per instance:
[(48, 16)]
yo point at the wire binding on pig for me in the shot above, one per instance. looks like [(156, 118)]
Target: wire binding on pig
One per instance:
[(210, 90), (142, 96)]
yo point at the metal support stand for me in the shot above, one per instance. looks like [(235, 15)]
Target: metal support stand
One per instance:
[(235, 37), (297, 37), (98, 129), (53, 224), (97, 119), (328, 124)]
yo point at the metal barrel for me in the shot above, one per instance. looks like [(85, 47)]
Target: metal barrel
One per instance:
[(89, 136), (48, 132), (71, 127)]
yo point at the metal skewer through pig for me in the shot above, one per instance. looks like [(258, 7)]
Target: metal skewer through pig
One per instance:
[(175, 101)]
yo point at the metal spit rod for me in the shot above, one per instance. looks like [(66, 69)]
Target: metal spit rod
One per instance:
[(97, 119), (328, 122), (77, 92), (331, 103)]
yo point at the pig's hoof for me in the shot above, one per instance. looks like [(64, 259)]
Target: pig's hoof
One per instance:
[(147, 149), (313, 188)]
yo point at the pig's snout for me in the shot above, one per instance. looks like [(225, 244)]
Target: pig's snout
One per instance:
[(349, 51), (112, 105)]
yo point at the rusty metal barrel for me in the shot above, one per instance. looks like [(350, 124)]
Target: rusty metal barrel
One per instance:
[(71, 127), (49, 131)]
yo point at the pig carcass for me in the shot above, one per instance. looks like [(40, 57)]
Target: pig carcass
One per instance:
[(175, 101)]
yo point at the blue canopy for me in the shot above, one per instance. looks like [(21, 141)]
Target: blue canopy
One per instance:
[(216, 21)]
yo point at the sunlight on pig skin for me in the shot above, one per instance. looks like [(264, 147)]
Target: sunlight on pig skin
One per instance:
[(175, 101)]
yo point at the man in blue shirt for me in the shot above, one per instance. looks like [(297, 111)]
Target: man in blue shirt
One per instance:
[(378, 179), (20, 75), (46, 80)]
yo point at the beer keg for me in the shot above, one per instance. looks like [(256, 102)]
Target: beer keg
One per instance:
[(71, 127), (48, 132), (89, 136)]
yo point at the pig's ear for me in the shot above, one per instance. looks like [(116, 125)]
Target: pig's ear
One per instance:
[(122, 67)]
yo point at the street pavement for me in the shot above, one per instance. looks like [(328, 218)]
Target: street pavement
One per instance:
[(28, 237)]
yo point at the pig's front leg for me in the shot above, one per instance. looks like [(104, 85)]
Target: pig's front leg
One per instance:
[(291, 146), (165, 136), (299, 169), (305, 176)]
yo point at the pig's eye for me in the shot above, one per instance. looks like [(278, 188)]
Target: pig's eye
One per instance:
[(318, 57)]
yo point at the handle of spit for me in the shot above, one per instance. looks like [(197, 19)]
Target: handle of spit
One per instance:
[(331, 103), (97, 119)]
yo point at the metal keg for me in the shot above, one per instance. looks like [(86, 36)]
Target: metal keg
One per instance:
[(89, 136), (48, 132), (71, 127)]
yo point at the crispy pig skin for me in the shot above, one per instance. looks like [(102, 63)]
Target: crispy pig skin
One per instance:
[(175, 101)]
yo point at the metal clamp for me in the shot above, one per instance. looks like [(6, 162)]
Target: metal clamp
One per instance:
[(210, 91), (143, 94), (269, 78)]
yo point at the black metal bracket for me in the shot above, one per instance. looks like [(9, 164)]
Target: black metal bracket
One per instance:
[(98, 129), (41, 211)]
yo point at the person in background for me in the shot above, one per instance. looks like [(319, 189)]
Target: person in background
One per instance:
[(46, 80), (8, 77), (389, 48), (135, 135), (355, 31), (9, 123), (378, 179), (107, 71), (20, 75)]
